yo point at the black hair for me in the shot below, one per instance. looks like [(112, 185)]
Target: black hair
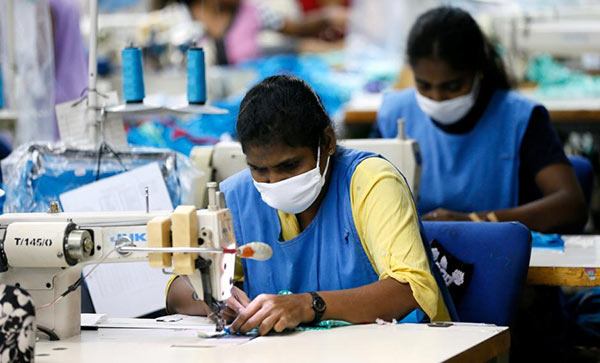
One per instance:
[(452, 35), (282, 109)]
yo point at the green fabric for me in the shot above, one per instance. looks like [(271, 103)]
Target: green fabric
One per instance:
[(322, 325), (557, 81)]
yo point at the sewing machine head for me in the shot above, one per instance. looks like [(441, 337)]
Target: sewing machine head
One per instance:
[(44, 253)]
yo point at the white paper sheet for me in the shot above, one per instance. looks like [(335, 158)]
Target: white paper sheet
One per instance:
[(124, 289), (122, 192), (197, 323), (75, 129)]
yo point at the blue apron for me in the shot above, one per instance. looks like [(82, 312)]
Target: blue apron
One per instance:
[(470, 172), (327, 255)]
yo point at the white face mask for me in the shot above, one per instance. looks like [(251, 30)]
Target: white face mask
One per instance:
[(449, 111), (294, 195)]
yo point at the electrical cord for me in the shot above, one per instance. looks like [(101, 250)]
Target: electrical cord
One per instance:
[(76, 284)]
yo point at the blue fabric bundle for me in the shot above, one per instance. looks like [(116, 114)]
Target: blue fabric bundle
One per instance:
[(547, 241)]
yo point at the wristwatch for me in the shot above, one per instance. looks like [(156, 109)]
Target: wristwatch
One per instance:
[(319, 306)]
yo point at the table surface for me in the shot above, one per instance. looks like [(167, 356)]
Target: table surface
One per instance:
[(358, 343), (578, 265), (362, 108), (580, 251)]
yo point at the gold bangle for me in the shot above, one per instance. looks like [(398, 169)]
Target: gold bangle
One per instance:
[(492, 217), (474, 217)]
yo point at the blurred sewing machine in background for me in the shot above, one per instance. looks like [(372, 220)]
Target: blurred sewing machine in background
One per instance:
[(569, 31), (224, 159), (44, 253)]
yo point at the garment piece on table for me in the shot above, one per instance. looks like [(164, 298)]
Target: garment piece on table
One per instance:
[(464, 172), (314, 260), (547, 241)]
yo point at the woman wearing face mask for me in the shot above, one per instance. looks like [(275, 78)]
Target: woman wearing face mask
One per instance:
[(341, 223), (488, 152)]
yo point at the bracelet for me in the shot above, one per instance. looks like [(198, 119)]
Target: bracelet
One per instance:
[(474, 217), (492, 217)]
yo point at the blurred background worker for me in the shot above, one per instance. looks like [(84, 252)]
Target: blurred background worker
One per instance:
[(488, 152), (234, 26)]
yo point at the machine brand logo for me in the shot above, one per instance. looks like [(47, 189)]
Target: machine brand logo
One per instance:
[(39, 242), (134, 237)]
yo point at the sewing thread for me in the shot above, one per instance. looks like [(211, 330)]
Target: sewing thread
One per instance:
[(196, 76), (133, 76)]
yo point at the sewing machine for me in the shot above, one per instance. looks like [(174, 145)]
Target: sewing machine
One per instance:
[(224, 159), (566, 31), (44, 253)]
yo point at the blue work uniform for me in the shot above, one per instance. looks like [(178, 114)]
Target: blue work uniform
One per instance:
[(327, 255), (473, 171)]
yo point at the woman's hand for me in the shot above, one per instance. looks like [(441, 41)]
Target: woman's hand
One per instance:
[(442, 214), (237, 302), (277, 312)]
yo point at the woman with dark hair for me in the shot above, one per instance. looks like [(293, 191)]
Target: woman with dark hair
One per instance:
[(488, 153), (342, 224)]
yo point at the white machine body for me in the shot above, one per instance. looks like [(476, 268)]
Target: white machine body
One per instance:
[(44, 253), (404, 154)]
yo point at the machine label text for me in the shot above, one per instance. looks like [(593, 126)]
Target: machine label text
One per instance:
[(134, 237), (39, 242)]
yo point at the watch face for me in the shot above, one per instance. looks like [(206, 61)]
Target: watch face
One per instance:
[(318, 303)]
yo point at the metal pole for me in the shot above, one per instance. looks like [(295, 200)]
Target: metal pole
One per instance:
[(93, 70), (175, 249), (10, 50)]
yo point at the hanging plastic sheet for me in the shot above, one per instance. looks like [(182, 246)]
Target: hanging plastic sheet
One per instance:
[(36, 174), (1, 88), (26, 48)]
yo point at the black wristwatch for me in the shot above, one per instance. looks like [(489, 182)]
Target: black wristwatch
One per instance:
[(319, 306)]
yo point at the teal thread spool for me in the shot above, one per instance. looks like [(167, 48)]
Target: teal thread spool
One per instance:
[(196, 76), (133, 76)]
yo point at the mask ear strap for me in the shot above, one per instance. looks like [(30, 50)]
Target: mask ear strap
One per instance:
[(319, 153)]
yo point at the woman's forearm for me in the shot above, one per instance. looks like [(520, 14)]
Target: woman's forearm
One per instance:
[(180, 299), (552, 213), (386, 299)]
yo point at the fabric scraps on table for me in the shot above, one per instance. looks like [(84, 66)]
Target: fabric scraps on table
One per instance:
[(547, 241)]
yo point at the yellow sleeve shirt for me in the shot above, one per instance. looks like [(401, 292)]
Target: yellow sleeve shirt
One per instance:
[(386, 221)]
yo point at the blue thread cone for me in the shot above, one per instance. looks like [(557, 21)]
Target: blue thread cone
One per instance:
[(196, 76), (133, 76)]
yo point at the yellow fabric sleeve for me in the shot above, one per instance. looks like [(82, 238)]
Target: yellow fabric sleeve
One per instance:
[(169, 283), (387, 224)]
